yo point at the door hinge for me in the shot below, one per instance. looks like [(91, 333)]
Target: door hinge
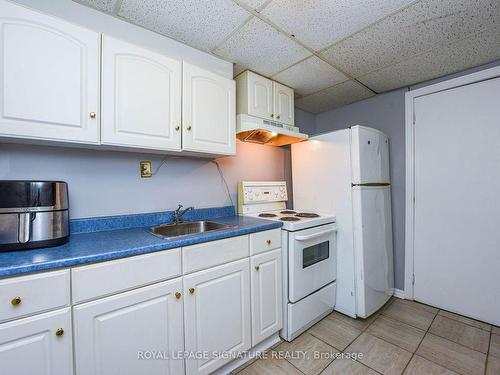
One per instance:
[(413, 280)]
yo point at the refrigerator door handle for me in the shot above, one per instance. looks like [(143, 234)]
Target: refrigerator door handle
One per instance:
[(315, 235)]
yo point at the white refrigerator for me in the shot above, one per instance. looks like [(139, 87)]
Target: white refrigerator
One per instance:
[(346, 173)]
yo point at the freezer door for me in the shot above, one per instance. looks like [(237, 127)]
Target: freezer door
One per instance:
[(369, 155), (372, 247)]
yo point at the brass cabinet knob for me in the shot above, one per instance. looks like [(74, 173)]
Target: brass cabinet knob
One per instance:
[(189, 127), (16, 301), (191, 290), (268, 242), (272, 114), (92, 115), (177, 295), (278, 117), (177, 128), (257, 268), (59, 332)]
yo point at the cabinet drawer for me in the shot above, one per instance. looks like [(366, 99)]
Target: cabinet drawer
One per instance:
[(101, 279), (26, 295), (209, 254), (264, 241)]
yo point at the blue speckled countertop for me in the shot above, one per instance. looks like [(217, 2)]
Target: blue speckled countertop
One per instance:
[(101, 245)]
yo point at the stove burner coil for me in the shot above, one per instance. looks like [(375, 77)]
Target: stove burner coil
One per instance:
[(306, 214), (289, 218), (267, 215), (288, 212)]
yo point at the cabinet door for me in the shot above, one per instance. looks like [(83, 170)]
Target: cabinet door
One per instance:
[(284, 104), (49, 78), (266, 294), (260, 96), (208, 112), (38, 345), (141, 97), (118, 334), (217, 314)]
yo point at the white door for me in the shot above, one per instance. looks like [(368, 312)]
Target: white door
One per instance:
[(115, 335), (260, 96), (38, 345), (312, 260), (457, 182), (284, 110), (208, 112), (373, 247), (369, 155), (265, 271), (49, 78), (141, 97), (217, 314)]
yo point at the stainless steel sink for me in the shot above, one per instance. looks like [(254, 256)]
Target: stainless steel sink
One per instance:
[(188, 228)]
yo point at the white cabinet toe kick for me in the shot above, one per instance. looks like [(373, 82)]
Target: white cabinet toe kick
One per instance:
[(191, 310)]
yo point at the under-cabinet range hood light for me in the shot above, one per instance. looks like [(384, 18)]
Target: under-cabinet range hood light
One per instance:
[(257, 130)]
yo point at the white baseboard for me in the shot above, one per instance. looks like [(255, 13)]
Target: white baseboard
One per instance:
[(398, 293)]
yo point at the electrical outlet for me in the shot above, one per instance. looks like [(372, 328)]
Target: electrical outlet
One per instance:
[(146, 170)]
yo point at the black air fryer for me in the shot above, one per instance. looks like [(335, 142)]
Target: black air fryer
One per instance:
[(33, 214)]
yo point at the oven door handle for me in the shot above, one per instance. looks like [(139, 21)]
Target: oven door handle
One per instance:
[(315, 235)]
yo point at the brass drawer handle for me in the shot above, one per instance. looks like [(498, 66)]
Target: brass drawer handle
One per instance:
[(16, 301), (257, 268), (59, 332), (268, 242), (191, 290), (92, 114), (177, 295)]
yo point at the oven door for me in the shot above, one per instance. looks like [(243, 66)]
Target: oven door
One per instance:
[(312, 260)]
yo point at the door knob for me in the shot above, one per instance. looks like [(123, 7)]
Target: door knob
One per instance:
[(59, 332), (177, 295), (257, 268), (278, 117), (189, 127), (92, 115), (16, 301), (177, 128), (191, 290), (268, 242), (272, 114)]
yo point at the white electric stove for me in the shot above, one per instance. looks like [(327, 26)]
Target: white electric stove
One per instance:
[(309, 254)]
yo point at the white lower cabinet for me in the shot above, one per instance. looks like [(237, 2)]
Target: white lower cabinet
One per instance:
[(118, 335), (217, 314), (38, 345), (266, 295)]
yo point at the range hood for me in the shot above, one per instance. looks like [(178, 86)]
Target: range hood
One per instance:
[(256, 130)]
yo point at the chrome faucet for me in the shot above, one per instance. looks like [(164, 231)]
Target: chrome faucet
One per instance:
[(178, 213)]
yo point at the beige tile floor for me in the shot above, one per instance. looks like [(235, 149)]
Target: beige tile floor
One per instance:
[(404, 337)]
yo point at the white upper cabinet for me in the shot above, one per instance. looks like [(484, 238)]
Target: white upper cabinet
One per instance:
[(49, 78), (208, 112), (254, 95), (217, 314), (141, 97), (111, 333), (283, 104), (38, 345), (261, 97)]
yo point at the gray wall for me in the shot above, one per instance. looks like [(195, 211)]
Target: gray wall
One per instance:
[(384, 112), (105, 183)]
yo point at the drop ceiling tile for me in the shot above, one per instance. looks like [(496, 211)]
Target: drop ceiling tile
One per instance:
[(414, 30), (259, 47), (467, 53), (254, 4), (199, 23), (319, 23), (104, 5), (310, 76), (334, 97)]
